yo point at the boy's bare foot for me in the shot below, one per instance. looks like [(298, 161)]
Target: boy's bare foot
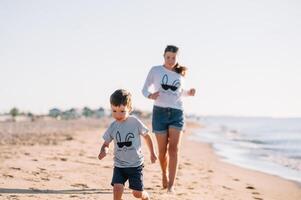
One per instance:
[(145, 196), (164, 180)]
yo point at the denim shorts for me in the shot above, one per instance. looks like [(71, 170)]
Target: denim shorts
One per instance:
[(133, 174), (165, 118)]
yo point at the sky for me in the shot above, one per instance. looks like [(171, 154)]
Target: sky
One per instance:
[(243, 56)]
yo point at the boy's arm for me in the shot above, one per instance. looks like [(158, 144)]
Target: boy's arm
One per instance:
[(150, 145), (104, 150)]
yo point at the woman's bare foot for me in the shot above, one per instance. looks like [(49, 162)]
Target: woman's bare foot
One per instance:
[(164, 180), (171, 190)]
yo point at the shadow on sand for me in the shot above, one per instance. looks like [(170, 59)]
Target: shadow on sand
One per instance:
[(37, 191)]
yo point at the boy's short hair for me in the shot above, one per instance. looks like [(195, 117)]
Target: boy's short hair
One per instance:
[(121, 97)]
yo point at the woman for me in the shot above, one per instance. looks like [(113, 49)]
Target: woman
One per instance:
[(167, 81)]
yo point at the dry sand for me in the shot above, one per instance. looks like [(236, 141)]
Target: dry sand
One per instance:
[(58, 160)]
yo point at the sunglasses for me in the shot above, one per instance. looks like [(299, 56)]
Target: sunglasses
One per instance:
[(122, 144), (166, 87)]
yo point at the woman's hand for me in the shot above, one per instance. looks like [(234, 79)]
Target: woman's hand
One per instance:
[(153, 157), (191, 92), (154, 96)]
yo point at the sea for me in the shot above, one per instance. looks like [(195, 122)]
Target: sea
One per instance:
[(270, 145)]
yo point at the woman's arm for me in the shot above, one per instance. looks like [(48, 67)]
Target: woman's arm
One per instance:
[(190, 92), (148, 82)]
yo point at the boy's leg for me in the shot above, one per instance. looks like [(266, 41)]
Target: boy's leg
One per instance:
[(118, 191), (141, 194), (135, 175), (118, 181)]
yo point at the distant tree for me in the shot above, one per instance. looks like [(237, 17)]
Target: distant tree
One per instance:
[(55, 112), (14, 112), (100, 112), (72, 113), (31, 116), (87, 112)]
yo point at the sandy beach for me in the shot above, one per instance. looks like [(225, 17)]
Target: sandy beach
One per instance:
[(58, 160)]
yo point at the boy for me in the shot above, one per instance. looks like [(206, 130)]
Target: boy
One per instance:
[(125, 130)]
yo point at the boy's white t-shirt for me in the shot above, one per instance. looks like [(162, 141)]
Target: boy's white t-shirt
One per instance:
[(127, 142), (170, 85)]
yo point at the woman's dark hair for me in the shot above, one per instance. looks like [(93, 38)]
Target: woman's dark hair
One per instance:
[(177, 68), (171, 48), (121, 97)]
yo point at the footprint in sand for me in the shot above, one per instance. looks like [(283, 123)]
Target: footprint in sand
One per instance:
[(210, 171), (187, 163), (235, 179), (256, 193), (227, 188), (258, 198), (63, 159), (250, 187), (42, 169), (15, 168), (80, 185), (190, 188), (8, 175), (35, 173)]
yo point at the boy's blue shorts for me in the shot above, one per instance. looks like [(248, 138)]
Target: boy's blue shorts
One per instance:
[(133, 174), (165, 118)]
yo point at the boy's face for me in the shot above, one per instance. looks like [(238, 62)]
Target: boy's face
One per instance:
[(120, 113)]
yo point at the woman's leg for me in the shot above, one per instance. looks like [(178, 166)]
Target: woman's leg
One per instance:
[(162, 140), (118, 191), (173, 149)]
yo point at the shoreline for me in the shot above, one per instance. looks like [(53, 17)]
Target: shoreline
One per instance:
[(259, 166), (69, 168)]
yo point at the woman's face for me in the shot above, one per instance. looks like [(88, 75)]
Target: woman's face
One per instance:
[(170, 59)]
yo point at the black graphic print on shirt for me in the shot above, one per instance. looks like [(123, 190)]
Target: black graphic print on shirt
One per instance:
[(127, 142), (174, 86)]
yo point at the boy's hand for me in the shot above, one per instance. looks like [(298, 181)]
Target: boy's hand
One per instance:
[(153, 157), (103, 152), (101, 155)]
